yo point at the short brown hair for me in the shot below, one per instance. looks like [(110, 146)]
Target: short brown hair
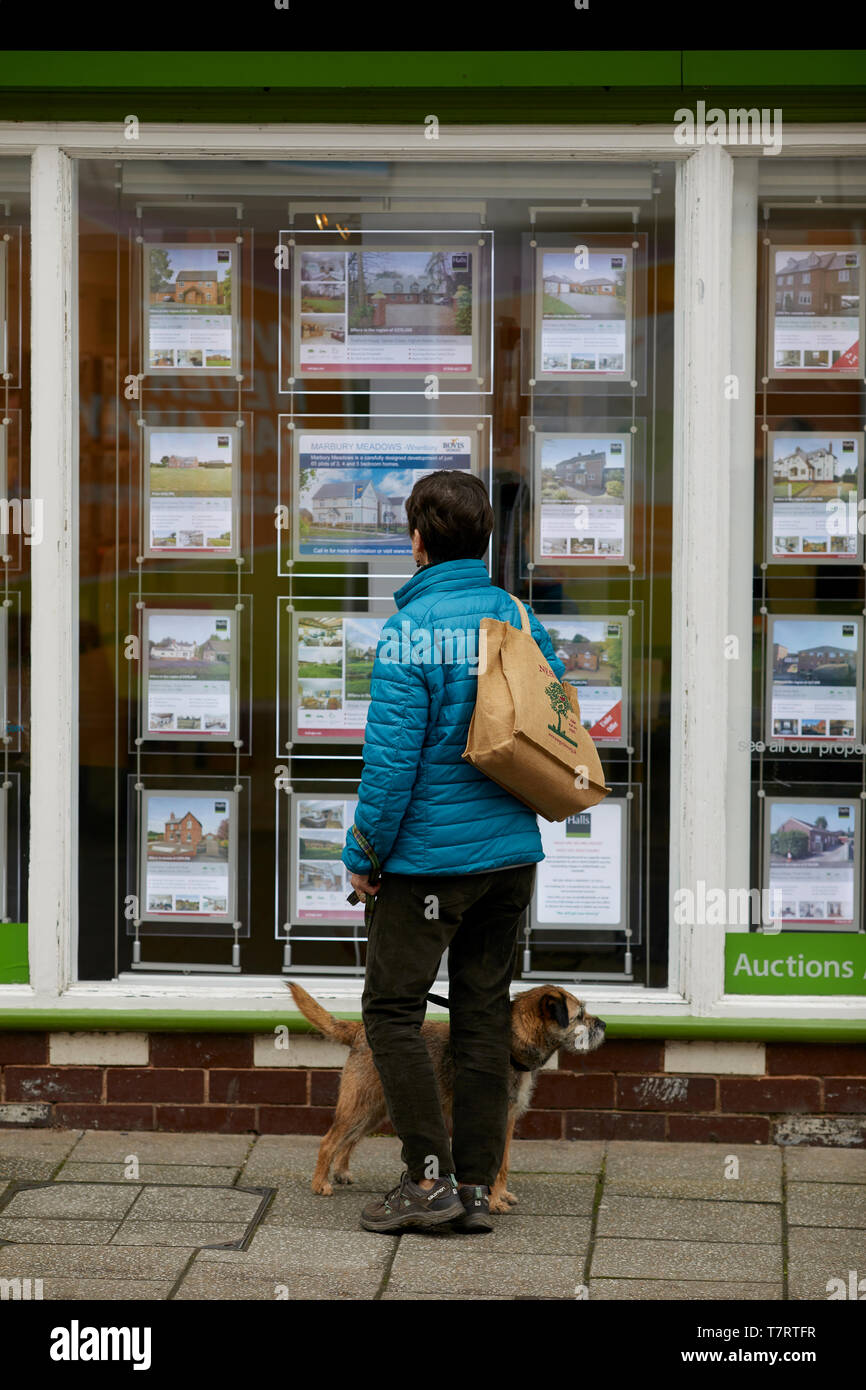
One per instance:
[(451, 511)]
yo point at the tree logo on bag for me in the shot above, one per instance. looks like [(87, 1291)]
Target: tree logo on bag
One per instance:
[(560, 704)]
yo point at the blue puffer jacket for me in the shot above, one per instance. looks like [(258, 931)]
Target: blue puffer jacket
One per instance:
[(420, 806)]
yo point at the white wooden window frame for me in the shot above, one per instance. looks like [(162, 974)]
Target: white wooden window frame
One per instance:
[(716, 212)]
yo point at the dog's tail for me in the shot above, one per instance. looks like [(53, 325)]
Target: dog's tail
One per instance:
[(342, 1030)]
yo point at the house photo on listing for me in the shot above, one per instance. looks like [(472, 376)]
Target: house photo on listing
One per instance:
[(432, 653)]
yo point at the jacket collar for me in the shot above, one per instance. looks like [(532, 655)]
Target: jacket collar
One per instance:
[(450, 574)]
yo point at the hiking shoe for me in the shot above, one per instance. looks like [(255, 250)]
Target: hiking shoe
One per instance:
[(476, 1210), (408, 1206)]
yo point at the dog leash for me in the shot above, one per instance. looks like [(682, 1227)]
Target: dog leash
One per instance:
[(440, 999)]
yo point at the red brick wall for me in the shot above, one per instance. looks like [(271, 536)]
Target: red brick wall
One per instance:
[(810, 1093)]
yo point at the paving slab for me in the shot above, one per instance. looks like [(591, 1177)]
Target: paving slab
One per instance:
[(71, 1200), (196, 1233), (37, 1231), (163, 1203), (694, 1170), (375, 1164), (100, 1290), (53, 1144), (296, 1205), (672, 1291), (555, 1156), (92, 1261), (817, 1255), (553, 1194), (113, 1146), (215, 1283), (173, 1174), (825, 1165), (274, 1251), (827, 1204), (664, 1218), (29, 1169), (466, 1271), (681, 1259), (525, 1235), (406, 1297)]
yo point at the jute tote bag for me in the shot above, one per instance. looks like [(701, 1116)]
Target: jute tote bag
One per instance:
[(526, 732)]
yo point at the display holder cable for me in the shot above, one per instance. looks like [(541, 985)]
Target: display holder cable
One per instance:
[(7, 605), (139, 788), (763, 609), (7, 601), (633, 210), (285, 784), (766, 715)]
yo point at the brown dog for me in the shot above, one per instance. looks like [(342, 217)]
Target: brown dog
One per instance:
[(542, 1021)]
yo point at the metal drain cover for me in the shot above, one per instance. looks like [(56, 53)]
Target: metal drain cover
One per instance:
[(131, 1213)]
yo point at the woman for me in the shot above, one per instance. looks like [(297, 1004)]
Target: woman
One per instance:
[(457, 855)]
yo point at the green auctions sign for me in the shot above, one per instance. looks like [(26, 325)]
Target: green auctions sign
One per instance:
[(812, 963)]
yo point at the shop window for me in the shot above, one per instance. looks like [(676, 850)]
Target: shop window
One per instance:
[(270, 355), (808, 744), (20, 529)]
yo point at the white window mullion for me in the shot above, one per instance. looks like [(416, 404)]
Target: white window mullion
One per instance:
[(54, 605), (744, 290), (701, 689)]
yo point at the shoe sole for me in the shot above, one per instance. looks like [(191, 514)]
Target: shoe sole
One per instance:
[(417, 1220), (474, 1225)]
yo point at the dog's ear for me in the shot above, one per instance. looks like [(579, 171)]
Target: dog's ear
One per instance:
[(554, 1007)]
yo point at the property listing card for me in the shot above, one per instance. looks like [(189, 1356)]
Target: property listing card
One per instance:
[(192, 490), (189, 856), (351, 487), (399, 310), (580, 881), (811, 856), (816, 311), (333, 657), (814, 679), (815, 482), (595, 653), (584, 312), (320, 880), (190, 308), (582, 493), (190, 674)]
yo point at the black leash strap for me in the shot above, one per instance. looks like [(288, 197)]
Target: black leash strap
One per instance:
[(439, 999)]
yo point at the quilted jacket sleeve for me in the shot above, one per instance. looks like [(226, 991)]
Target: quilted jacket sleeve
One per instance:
[(396, 729), (542, 637)]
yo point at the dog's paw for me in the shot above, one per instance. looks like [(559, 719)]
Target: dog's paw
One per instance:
[(323, 1189), (344, 1178), (510, 1198), (498, 1204)]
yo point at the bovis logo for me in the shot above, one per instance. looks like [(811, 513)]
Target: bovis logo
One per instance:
[(77, 1343)]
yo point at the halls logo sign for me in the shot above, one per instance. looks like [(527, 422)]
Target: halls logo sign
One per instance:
[(810, 963)]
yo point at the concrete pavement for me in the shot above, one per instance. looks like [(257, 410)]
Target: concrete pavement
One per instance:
[(101, 1215)]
